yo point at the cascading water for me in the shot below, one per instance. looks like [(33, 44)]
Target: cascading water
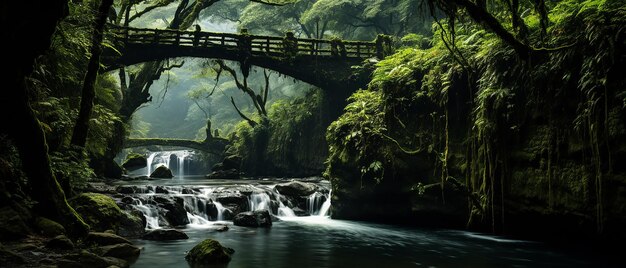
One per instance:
[(150, 159), (204, 205), (163, 158)]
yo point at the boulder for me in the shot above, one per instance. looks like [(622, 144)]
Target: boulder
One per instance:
[(209, 252), (300, 212), (165, 234), (105, 239), (60, 242), (126, 189), (175, 214), (296, 188), (48, 227), (258, 218), (162, 172), (135, 161), (122, 251), (102, 213), (132, 224)]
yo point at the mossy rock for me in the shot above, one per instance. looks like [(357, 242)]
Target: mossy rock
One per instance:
[(162, 172), (135, 161), (102, 213), (208, 252), (49, 227)]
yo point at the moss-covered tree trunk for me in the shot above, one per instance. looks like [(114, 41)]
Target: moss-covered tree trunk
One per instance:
[(27, 38), (79, 136)]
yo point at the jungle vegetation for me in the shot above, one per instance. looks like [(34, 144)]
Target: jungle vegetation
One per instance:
[(501, 109)]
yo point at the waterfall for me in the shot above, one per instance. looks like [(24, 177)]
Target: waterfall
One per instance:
[(326, 206), (202, 208), (150, 159), (163, 159), (259, 201), (151, 214)]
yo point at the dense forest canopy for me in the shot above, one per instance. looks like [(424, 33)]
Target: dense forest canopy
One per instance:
[(503, 116)]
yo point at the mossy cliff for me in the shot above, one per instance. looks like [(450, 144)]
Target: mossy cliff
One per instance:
[(482, 137)]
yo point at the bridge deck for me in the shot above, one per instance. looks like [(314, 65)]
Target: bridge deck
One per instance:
[(253, 44)]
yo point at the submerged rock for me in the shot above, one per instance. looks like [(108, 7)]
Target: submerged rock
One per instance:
[(209, 252), (165, 234), (258, 218), (162, 172)]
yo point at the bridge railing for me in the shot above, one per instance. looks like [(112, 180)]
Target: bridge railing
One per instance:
[(254, 44)]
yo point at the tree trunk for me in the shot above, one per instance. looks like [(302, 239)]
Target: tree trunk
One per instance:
[(28, 38), (30, 141), (79, 136)]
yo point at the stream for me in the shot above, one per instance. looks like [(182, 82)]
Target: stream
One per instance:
[(315, 240)]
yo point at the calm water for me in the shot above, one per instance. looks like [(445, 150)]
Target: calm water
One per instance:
[(322, 242)]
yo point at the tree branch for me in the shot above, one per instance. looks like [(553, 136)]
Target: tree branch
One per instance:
[(250, 121)]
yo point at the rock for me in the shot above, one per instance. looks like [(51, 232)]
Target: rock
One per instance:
[(122, 251), (162, 172), (300, 212), (161, 190), (127, 200), (135, 161), (217, 167), (296, 188), (126, 189), (165, 234), (88, 259), (231, 162), (175, 214), (60, 242), (222, 228), (224, 174), (49, 227), (132, 224), (12, 225), (105, 239), (187, 191), (102, 213), (258, 218), (209, 252)]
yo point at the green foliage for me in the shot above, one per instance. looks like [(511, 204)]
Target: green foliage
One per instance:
[(72, 165), (470, 103)]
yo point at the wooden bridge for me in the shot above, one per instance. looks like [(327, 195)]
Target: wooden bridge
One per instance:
[(323, 63)]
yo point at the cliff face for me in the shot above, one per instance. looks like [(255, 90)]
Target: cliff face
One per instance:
[(485, 139)]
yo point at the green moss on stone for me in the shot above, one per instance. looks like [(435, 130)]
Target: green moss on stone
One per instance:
[(209, 251), (98, 210), (49, 227)]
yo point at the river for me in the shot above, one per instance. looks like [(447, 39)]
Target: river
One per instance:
[(319, 241)]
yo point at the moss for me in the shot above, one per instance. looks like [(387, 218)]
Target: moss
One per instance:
[(209, 251), (49, 227), (98, 210)]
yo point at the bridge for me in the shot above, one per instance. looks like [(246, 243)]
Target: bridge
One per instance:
[(323, 63), (214, 146)]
